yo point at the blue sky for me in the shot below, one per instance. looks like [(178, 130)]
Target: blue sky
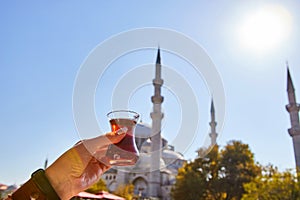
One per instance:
[(43, 45)]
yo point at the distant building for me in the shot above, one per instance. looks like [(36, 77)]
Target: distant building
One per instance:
[(6, 190)]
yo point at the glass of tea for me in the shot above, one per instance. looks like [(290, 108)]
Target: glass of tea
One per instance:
[(124, 153)]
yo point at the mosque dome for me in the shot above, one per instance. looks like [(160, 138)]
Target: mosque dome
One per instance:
[(173, 160), (171, 154), (144, 163), (142, 130)]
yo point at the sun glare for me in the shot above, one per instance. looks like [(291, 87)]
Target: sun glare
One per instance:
[(265, 29)]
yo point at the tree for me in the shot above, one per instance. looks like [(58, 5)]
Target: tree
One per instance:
[(199, 179), (97, 187), (125, 191), (272, 184), (217, 174), (189, 183), (237, 167), (209, 168)]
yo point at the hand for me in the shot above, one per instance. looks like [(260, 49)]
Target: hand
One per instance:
[(79, 167)]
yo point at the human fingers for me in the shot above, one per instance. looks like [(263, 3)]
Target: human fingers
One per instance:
[(102, 141), (100, 154), (90, 175)]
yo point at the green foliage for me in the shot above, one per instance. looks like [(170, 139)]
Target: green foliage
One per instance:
[(232, 174), (198, 179), (237, 167), (272, 184), (218, 174), (97, 187), (209, 167), (125, 191), (189, 184)]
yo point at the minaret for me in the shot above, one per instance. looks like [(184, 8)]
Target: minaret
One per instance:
[(213, 134), (156, 144), (293, 109), (46, 163)]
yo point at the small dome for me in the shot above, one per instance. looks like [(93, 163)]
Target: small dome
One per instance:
[(170, 154), (166, 171), (146, 146)]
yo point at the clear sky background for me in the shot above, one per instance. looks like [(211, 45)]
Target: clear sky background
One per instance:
[(43, 45)]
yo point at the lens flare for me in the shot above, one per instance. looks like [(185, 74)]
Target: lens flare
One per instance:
[(265, 28)]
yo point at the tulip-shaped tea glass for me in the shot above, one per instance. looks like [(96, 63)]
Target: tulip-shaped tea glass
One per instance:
[(124, 153)]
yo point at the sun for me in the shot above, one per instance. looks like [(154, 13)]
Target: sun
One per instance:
[(265, 29)]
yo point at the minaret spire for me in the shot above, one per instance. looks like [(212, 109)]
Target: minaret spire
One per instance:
[(212, 107), (158, 56), (213, 134), (293, 109), (156, 141), (157, 81), (290, 85)]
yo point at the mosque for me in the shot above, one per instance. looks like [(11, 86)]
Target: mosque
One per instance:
[(155, 172)]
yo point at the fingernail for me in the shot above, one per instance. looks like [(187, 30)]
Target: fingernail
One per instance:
[(122, 130)]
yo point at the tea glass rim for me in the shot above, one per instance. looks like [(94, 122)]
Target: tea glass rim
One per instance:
[(135, 117)]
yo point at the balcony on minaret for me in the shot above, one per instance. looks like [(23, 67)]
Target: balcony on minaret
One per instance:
[(158, 81), (213, 135), (293, 107), (213, 123), (156, 115), (294, 131), (157, 99)]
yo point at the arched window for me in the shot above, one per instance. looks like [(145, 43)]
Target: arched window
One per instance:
[(140, 186)]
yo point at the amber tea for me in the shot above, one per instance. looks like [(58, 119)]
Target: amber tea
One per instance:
[(125, 153)]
